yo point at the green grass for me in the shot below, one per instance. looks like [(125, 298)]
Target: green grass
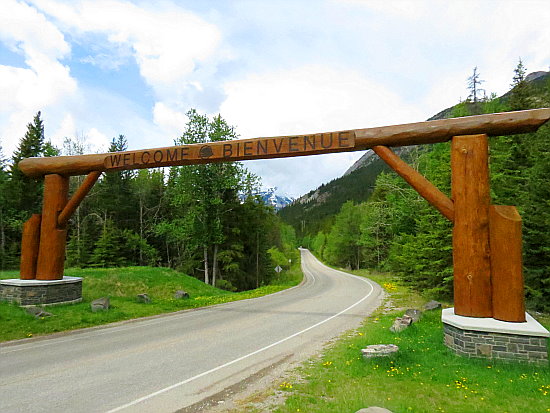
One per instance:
[(122, 285), (423, 377)]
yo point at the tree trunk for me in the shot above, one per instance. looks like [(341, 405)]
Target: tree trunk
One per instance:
[(214, 264), (206, 278)]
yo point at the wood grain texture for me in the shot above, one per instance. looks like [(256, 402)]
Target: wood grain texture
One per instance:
[(77, 198), (51, 253), (425, 188), (471, 253), (299, 145), (29, 247), (506, 264)]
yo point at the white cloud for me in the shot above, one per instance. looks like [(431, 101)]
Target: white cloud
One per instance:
[(43, 83), (98, 141), (167, 42), (309, 99), (171, 121)]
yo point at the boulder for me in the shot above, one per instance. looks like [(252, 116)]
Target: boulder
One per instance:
[(432, 305), (401, 323), (414, 314), (101, 304), (38, 312), (379, 350), (180, 294), (143, 298), (374, 409)]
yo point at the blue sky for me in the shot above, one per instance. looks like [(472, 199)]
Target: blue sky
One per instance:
[(100, 68)]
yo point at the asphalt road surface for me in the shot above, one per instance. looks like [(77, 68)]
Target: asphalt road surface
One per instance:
[(167, 363)]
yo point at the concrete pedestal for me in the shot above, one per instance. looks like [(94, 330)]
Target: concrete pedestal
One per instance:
[(495, 339), (37, 292)]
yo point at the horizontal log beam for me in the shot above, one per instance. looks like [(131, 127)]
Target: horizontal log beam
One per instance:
[(506, 123)]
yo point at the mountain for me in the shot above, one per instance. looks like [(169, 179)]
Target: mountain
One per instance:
[(271, 197), (314, 211)]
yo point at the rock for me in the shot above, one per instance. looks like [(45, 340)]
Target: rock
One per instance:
[(101, 304), (414, 314), (374, 409), (181, 294), (379, 350), (38, 312), (401, 323), (432, 305), (143, 298)]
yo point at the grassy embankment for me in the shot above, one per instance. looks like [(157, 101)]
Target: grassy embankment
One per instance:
[(122, 285), (423, 377)]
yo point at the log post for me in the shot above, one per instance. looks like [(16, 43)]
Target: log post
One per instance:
[(506, 264), (471, 252), (29, 247), (51, 255)]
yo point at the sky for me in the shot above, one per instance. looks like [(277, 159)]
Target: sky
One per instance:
[(100, 68)]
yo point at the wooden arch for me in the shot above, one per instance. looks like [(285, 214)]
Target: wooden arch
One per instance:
[(488, 280)]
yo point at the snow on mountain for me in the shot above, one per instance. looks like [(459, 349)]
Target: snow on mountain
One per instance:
[(271, 197), (276, 200)]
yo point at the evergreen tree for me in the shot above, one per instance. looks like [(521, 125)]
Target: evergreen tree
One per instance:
[(343, 242), (114, 194), (202, 195), (24, 192), (3, 210), (107, 250), (536, 219), (519, 94)]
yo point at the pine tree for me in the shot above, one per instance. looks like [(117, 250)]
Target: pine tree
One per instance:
[(24, 192), (204, 194), (3, 210), (519, 94)]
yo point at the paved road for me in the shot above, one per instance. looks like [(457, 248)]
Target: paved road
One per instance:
[(167, 363)]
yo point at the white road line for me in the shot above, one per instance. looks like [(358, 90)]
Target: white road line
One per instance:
[(181, 383)]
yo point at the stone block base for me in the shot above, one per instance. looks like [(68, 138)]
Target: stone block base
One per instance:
[(38, 292), (494, 339)]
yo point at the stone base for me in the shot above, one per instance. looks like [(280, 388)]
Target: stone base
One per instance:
[(494, 339), (38, 292)]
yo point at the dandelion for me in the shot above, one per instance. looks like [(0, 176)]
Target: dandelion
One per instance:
[(285, 385), (327, 363), (389, 286)]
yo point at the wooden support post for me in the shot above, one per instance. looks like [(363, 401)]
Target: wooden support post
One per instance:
[(425, 188), (471, 253), (51, 255), (29, 247), (506, 264)]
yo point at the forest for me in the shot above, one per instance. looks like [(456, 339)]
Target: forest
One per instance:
[(396, 230), (203, 220)]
